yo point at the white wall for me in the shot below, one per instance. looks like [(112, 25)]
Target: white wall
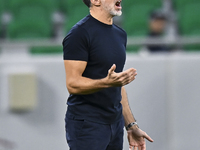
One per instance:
[(164, 99)]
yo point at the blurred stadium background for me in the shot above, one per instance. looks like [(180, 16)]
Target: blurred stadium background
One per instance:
[(164, 97)]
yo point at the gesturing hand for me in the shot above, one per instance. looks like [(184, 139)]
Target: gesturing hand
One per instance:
[(122, 78), (136, 138)]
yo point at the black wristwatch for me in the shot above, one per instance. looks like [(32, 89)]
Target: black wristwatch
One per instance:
[(131, 124)]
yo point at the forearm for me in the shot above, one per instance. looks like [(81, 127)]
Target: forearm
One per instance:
[(83, 85), (128, 116), (77, 84)]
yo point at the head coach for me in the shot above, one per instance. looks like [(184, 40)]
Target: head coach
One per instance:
[(94, 54)]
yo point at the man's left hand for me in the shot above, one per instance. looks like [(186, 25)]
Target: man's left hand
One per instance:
[(136, 138)]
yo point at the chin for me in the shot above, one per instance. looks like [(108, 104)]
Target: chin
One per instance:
[(116, 13), (119, 13)]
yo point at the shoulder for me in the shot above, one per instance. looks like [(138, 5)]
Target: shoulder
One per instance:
[(83, 22), (122, 31), (82, 25), (78, 31)]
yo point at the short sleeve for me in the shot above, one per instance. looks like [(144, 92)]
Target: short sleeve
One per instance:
[(125, 37), (76, 45)]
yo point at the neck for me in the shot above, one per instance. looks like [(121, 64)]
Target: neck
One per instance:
[(101, 15)]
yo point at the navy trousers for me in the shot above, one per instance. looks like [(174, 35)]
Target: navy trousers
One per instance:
[(86, 135)]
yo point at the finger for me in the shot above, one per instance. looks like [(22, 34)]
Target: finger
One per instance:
[(130, 148), (143, 147), (127, 75), (132, 77), (132, 74), (131, 70), (112, 69), (135, 147), (135, 74), (128, 80), (148, 138)]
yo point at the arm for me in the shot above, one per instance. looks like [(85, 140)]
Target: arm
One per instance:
[(136, 136), (128, 116), (77, 84)]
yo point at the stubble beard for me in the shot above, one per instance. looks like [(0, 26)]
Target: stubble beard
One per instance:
[(111, 9), (116, 13)]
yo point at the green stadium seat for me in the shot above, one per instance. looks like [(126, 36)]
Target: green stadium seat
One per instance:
[(48, 5), (192, 47), (1, 12), (133, 49), (1, 6), (189, 22), (69, 5), (62, 6), (38, 50), (180, 4), (33, 11), (31, 18), (0, 28), (129, 3), (135, 19), (31, 23), (6, 3), (76, 14), (189, 19)]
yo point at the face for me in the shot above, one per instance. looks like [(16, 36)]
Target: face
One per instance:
[(113, 7), (158, 26)]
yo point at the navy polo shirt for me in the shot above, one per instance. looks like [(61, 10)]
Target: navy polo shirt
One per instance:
[(100, 45)]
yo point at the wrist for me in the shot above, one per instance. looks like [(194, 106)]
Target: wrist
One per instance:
[(105, 82), (132, 125)]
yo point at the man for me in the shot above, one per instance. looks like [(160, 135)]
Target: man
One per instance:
[(94, 57), (157, 25)]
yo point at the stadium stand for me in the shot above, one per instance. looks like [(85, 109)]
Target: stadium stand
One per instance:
[(75, 16), (35, 25), (69, 5), (128, 3), (0, 27), (31, 14), (35, 20), (32, 20), (76, 10), (1, 12), (48, 5), (180, 4), (62, 6), (189, 21), (46, 50), (135, 19), (2, 6), (135, 15)]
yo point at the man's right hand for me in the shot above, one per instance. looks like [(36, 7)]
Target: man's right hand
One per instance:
[(120, 79)]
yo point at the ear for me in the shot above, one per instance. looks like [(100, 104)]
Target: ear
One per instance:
[(96, 2)]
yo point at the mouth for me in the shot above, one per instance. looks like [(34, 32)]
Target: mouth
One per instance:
[(118, 4)]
